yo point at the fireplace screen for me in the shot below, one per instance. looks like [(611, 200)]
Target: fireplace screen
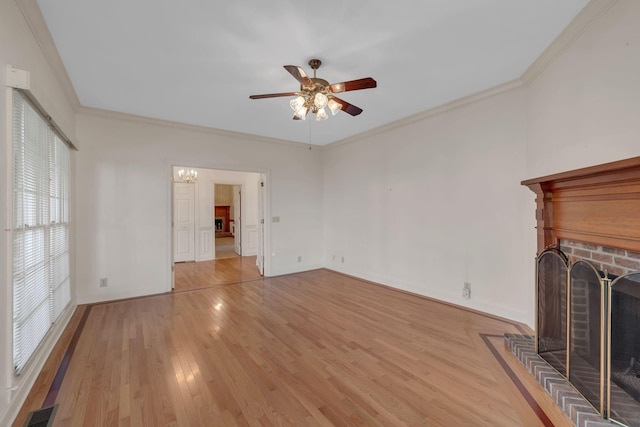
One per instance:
[(624, 362), (588, 329), (552, 309), (586, 357)]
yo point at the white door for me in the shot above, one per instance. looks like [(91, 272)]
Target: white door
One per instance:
[(260, 257), (237, 206), (183, 222)]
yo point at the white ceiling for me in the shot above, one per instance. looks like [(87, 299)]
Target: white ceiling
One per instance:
[(197, 61)]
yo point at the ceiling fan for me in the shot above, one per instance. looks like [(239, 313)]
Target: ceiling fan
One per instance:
[(315, 94)]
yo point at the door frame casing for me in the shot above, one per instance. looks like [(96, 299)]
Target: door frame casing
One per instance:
[(199, 164)]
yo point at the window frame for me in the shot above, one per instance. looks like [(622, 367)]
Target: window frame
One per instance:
[(44, 178)]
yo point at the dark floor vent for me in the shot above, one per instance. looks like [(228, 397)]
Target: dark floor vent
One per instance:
[(42, 417)]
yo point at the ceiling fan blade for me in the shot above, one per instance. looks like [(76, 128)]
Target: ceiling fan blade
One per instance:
[(299, 75), (366, 83), (274, 95), (346, 107)]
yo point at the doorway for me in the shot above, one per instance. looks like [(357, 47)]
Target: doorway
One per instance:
[(226, 232), (227, 220)]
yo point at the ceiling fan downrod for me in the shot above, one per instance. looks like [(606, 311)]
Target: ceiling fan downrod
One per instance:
[(314, 63)]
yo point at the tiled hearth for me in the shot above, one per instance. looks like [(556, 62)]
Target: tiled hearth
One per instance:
[(579, 411)]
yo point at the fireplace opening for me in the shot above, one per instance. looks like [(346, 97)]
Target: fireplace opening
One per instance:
[(587, 328)]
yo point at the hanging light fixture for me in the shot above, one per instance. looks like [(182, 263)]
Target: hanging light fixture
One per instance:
[(314, 101), (314, 98), (315, 94), (189, 176)]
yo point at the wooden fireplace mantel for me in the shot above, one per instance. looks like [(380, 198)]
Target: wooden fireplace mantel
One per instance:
[(598, 204)]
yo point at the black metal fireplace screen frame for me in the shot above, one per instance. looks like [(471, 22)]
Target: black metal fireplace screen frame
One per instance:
[(574, 319)]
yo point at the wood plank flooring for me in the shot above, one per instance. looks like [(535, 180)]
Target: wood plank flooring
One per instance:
[(310, 349), (196, 275), (225, 248)]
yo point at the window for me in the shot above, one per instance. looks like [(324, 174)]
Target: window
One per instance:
[(41, 287)]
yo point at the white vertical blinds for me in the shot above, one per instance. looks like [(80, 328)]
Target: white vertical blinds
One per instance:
[(41, 288)]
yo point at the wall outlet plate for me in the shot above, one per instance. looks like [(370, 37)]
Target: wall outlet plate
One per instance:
[(466, 290)]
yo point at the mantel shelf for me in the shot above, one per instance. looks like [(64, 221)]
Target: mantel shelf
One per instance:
[(597, 204)]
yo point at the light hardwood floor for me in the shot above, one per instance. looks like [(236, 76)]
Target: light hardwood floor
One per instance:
[(308, 349), (225, 247), (196, 275)]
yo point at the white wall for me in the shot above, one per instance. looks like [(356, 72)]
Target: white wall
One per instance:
[(123, 192), (432, 204), (429, 205), (19, 48), (585, 108)]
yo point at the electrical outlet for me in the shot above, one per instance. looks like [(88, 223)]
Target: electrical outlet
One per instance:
[(343, 260), (466, 290), (103, 282), (299, 258), (334, 257)]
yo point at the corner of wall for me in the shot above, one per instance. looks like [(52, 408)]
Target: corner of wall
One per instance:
[(590, 14)]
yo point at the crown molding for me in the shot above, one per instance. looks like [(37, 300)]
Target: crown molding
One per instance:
[(33, 16), (581, 23), (587, 16), (457, 103), (114, 115)]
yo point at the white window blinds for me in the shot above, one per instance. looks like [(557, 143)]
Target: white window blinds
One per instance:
[(41, 288)]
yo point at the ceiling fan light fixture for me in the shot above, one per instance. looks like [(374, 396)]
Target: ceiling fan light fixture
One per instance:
[(297, 103), (321, 114), (316, 94), (320, 100), (334, 106), (301, 113)]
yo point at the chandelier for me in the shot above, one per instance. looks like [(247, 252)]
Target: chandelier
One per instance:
[(189, 176)]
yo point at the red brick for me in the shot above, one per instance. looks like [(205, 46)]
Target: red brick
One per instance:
[(568, 242), (566, 249), (627, 263), (587, 245), (602, 257), (581, 253), (614, 251), (632, 254), (616, 271)]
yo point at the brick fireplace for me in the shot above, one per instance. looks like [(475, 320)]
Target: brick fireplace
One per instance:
[(588, 227), (614, 261)]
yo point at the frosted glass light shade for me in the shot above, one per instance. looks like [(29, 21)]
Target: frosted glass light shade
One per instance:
[(334, 106), (297, 103), (320, 100), (321, 114), (301, 113)]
